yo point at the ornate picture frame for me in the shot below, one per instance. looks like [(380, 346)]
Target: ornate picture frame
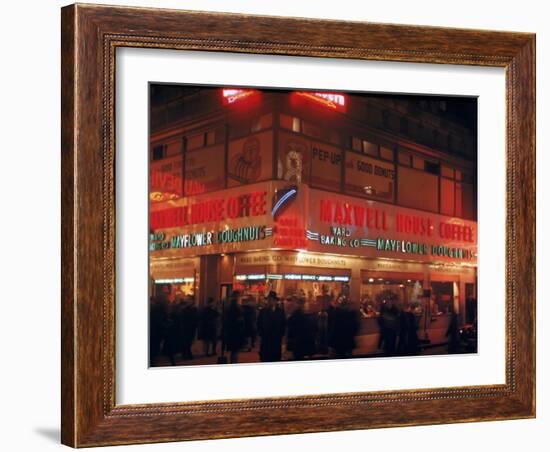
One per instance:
[(90, 36)]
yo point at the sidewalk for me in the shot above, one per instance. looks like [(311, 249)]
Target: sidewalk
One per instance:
[(367, 347)]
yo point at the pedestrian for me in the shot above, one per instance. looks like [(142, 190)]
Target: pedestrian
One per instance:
[(250, 320), (157, 323), (172, 331), (381, 326), (233, 328), (345, 326), (188, 321), (300, 334), (208, 327), (453, 334), (471, 310), (390, 319), (331, 315), (408, 336), (271, 329)]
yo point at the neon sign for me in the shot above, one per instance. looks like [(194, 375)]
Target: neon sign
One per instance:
[(210, 210), (207, 238), (174, 281), (292, 277), (411, 247), (231, 95), (348, 214), (282, 197), (330, 100)]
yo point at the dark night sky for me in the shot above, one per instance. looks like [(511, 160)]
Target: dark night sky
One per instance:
[(462, 110)]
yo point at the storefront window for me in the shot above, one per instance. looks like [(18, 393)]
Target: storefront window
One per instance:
[(174, 288), (377, 291), (317, 287)]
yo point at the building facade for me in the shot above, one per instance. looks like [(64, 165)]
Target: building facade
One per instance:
[(313, 195)]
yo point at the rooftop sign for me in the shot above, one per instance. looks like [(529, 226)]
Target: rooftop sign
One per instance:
[(330, 100)]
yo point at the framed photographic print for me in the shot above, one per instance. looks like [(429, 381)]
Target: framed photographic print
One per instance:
[(282, 225)]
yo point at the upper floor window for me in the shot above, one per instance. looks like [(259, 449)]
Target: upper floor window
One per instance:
[(261, 123), (431, 167), (291, 123), (386, 153), (159, 152)]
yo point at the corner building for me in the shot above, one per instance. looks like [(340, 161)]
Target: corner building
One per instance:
[(313, 194)]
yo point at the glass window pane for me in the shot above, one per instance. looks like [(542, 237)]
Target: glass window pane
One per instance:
[(418, 162), (405, 158), (356, 144), (210, 138), (195, 141), (370, 148), (447, 197), (417, 189), (447, 172), (386, 153), (286, 122)]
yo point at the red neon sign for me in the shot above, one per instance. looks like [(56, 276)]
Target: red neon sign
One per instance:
[(289, 232), (347, 214), (231, 95), (210, 210), (331, 100)]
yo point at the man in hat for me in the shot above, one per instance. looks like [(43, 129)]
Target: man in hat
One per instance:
[(271, 329)]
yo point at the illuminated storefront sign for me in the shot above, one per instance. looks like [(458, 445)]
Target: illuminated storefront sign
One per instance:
[(410, 247), (207, 238), (289, 232), (330, 100), (340, 237), (373, 218), (342, 224), (282, 197), (174, 281), (210, 210), (340, 213), (292, 277)]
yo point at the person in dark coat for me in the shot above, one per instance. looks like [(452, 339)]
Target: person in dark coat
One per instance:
[(300, 334), (271, 329), (208, 327), (250, 320), (390, 318), (345, 327), (188, 321), (172, 333), (453, 334), (158, 313), (471, 310), (233, 328), (408, 337)]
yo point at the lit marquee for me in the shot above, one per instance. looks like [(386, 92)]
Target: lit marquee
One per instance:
[(231, 95), (331, 100)]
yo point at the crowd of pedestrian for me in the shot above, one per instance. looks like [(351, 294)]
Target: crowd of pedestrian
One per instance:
[(284, 328)]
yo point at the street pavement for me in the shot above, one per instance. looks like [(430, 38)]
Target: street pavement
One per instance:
[(367, 347)]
